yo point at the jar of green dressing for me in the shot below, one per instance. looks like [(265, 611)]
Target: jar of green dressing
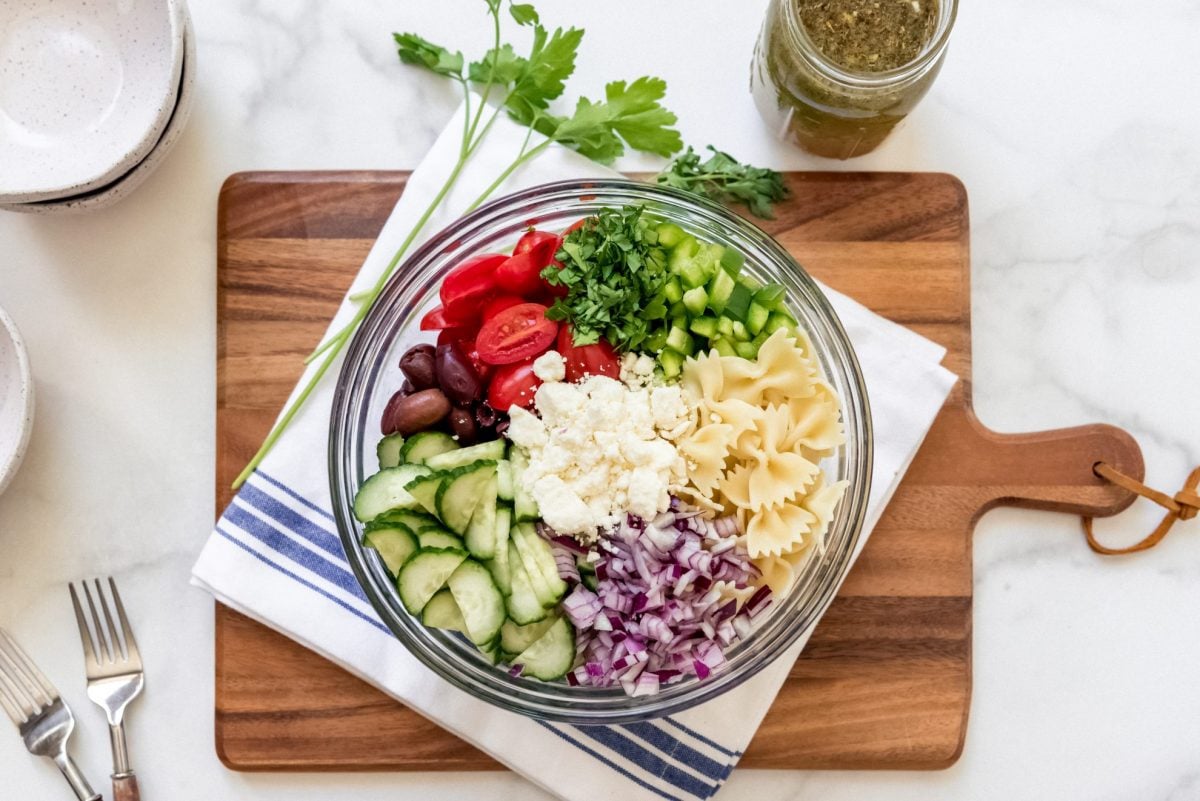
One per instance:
[(836, 76)]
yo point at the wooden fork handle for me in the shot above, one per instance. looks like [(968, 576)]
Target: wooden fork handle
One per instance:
[(125, 787)]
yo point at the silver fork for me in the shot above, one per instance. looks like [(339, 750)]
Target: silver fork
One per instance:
[(38, 711), (114, 675)]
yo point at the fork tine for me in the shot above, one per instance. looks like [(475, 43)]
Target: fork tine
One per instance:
[(102, 650), (9, 703), (85, 636), (33, 674), (131, 648), (118, 652), (21, 682)]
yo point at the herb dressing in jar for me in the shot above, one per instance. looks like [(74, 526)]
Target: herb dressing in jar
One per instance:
[(836, 76)]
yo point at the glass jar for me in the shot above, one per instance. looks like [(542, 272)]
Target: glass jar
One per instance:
[(371, 374), (825, 108)]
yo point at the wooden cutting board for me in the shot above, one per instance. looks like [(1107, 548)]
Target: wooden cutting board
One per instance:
[(885, 681)]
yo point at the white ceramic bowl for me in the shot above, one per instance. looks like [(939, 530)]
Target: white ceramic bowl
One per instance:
[(16, 400), (86, 89), (110, 193)]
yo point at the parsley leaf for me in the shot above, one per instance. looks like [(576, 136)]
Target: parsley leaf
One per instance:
[(421, 52), (629, 112), (523, 13), (614, 272), (726, 180), (533, 81), (508, 66)]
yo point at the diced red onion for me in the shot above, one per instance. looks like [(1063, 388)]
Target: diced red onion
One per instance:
[(581, 607), (564, 560)]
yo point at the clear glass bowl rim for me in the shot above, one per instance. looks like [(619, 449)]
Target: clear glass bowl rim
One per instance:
[(395, 311)]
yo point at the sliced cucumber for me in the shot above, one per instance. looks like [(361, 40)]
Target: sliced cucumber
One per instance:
[(719, 289), (439, 538), (499, 563), (414, 521), (671, 363), (485, 451), (461, 493), (523, 606), (425, 573), (426, 444), (756, 317), (480, 601), (442, 612), (538, 561), (395, 545), (491, 653), (481, 531), (424, 489), (504, 480), (738, 304), (385, 491), (552, 655), (514, 639), (524, 506), (388, 450)]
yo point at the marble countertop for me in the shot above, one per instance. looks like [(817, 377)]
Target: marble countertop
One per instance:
[(1069, 123)]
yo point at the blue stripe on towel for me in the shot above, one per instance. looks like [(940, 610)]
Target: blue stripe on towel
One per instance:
[(293, 521), (678, 750), (276, 540), (609, 736), (601, 758), (374, 622), (697, 735), (292, 493)]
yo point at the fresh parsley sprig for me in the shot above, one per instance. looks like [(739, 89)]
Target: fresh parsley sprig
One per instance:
[(726, 180)]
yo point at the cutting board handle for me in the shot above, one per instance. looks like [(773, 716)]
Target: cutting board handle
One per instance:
[(1053, 470)]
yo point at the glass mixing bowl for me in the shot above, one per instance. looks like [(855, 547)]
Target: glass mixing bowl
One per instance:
[(371, 374)]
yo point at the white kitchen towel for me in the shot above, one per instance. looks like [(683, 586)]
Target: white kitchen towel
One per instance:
[(275, 554)]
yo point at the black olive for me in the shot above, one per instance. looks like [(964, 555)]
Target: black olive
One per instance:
[(456, 375), (418, 366), (462, 424)]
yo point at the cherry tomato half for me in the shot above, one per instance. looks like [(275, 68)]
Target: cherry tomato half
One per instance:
[(499, 304), (513, 385), (435, 320), (521, 273), (518, 332), (541, 243), (469, 286), (583, 360)]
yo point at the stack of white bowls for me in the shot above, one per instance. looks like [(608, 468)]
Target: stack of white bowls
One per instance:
[(93, 95)]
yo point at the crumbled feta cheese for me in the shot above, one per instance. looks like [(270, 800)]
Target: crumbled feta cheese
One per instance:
[(598, 451), (637, 370), (550, 366)]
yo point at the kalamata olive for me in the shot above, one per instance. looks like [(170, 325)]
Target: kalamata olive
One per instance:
[(408, 414), (462, 424), (417, 365), (485, 415), (407, 388), (501, 426), (455, 375)]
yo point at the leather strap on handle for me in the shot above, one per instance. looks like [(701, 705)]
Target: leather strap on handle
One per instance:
[(1183, 506), (125, 787)]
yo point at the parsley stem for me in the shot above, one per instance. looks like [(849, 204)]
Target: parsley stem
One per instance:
[(495, 12), (517, 162)]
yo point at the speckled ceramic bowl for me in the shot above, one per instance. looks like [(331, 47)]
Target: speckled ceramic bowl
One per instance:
[(120, 188), (86, 90), (16, 400)]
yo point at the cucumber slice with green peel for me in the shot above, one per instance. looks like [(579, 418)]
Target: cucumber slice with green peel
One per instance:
[(670, 234), (738, 304), (492, 451), (524, 506), (439, 538), (740, 332), (395, 545), (695, 301), (386, 490), (673, 291), (388, 450), (694, 274), (732, 261), (747, 350), (514, 638), (523, 606), (719, 289), (423, 445), (551, 655), (656, 341), (498, 564), (704, 326), (680, 340), (491, 653), (682, 252), (442, 612), (425, 573), (725, 327), (411, 519), (480, 601), (504, 480), (538, 559), (771, 297), (779, 319), (723, 347), (424, 489), (481, 531), (671, 363), (756, 318), (461, 493)]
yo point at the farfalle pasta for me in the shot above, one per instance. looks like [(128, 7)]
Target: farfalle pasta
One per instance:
[(762, 427)]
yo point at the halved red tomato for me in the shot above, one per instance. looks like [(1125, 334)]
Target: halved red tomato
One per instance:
[(469, 286), (513, 385), (435, 320), (543, 243), (499, 304), (584, 360), (518, 332), (521, 273)]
